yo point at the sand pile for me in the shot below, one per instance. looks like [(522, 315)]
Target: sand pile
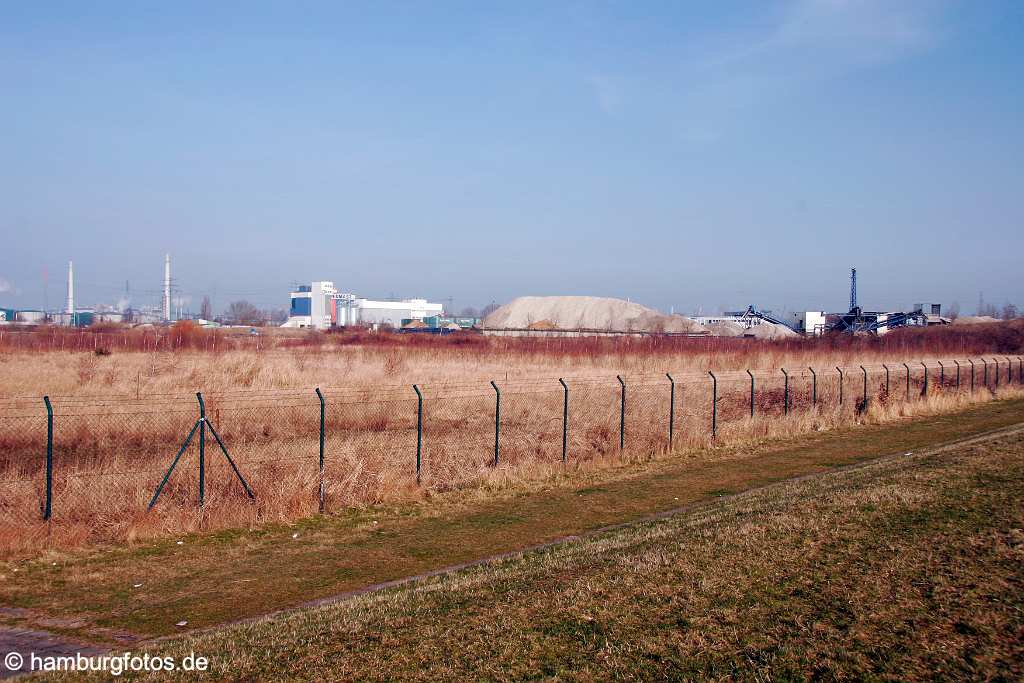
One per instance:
[(975, 319), (585, 313), (726, 328), (767, 330)]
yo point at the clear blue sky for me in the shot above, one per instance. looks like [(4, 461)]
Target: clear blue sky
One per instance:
[(679, 154)]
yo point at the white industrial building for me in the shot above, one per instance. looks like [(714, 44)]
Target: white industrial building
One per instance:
[(320, 305)]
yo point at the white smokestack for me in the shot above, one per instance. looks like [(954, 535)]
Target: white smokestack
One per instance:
[(167, 288), (71, 293)]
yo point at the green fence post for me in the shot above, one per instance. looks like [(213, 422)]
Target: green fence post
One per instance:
[(202, 448), (996, 362), (497, 420), (864, 370), (840, 384), (785, 393), (48, 510), (751, 393), (985, 373), (323, 415), (565, 419), (971, 361), (419, 431), (814, 386), (671, 409), (622, 414), (957, 363), (908, 382), (924, 392), (1009, 370), (1020, 370), (714, 405), (942, 375)]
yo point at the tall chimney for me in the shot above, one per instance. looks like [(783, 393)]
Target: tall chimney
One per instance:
[(167, 288), (71, 293)]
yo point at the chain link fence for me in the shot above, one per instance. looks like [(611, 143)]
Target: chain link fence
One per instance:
[(101, 465)]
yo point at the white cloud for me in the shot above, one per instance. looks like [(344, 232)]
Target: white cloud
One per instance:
[(5, 286)]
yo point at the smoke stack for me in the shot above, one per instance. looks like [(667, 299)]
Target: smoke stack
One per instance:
[(167, 288), (71, 293)]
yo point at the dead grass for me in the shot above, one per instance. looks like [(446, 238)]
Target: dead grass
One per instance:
[(907, 569), (120, 418)]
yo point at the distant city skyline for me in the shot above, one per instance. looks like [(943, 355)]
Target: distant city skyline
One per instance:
[(692, 157)]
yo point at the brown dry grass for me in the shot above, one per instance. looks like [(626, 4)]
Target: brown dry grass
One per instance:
[(120, 418)]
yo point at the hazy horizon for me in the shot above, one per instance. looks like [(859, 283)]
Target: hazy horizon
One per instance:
[(687, 157)]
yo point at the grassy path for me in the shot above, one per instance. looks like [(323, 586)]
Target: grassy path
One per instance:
[(114, 594)]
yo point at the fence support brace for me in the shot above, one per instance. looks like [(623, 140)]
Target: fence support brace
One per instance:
[(497, 421), (48, 510), (565, 419), (622, 414), (201, 424), (323, 415)]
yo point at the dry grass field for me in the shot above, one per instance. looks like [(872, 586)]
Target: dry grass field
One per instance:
[(907, 568), (124, 403)]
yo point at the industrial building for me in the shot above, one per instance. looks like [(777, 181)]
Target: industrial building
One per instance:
[(320, 305)]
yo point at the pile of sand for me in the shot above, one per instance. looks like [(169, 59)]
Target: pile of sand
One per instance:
[(585, 313), (726, 328), (767, 330), (975, 319)]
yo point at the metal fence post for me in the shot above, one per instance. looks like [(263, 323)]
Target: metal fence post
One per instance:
[(202, 448), (985, 372), (751, 393), (886, 368), (814, 386), (971, 361), (622, 414), (996, 362), (925, 390), (565, 419), (942, 375), (785, 393), (497, 421), (864, 370), (714, 404), (840, 384), (48, 510), (908, 381), (1020, 370), (323, 415), (671, 409), (957, 363), (419, 431), (1009, 370)]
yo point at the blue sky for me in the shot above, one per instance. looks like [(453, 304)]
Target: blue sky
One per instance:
[(679, 154)]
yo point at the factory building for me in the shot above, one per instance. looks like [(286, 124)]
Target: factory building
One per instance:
[(320, 305)]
